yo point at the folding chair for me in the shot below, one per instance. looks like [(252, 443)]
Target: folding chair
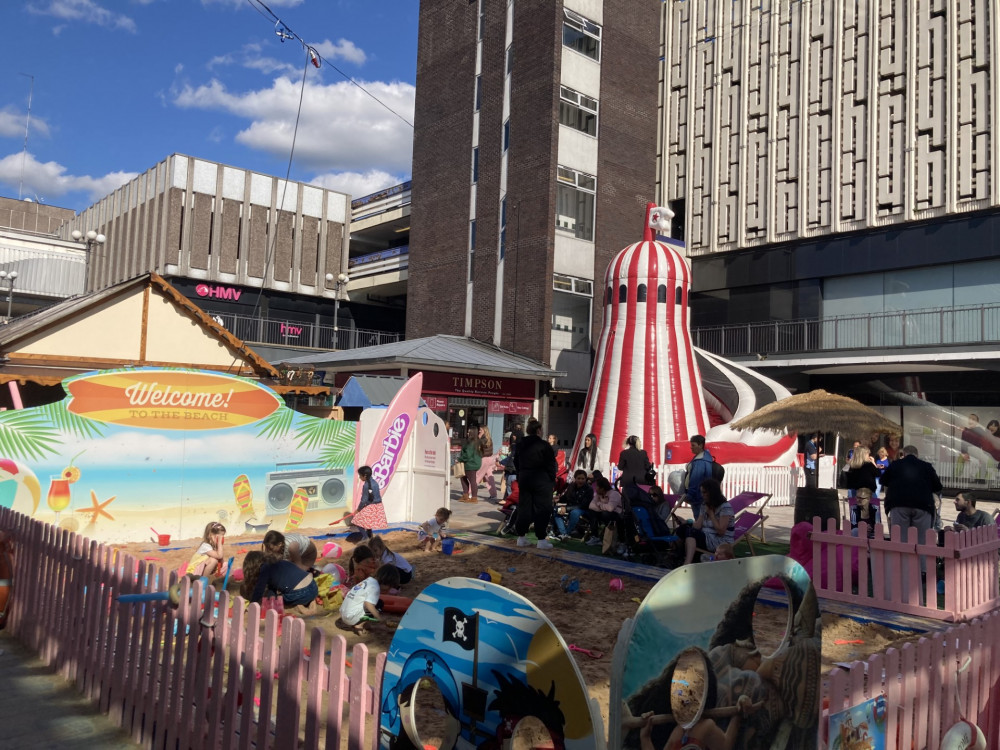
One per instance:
[(745, 499), (744, 525), (660, 544)]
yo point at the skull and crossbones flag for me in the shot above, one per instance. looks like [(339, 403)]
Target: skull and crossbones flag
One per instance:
[(461, 628)]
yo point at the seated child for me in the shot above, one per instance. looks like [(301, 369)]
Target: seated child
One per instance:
[(207, 559), (431, 531), (365, 598), (295, 545), (361, 565), (863, 510), (723, 552), (273, 545), (296, 586), (251, 572), (307, 560), (386, 556)]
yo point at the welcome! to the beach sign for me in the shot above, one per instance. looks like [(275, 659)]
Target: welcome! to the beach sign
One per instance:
[(170, 400)]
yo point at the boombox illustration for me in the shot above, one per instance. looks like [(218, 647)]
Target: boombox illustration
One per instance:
[(325, 488)]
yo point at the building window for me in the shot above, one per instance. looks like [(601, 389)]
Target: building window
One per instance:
[(571, 304), (506, 135), (510, 59), (582, 35), (661, 294), (640, 293), (475, 164), (479, 92), (575, 196), (482, 18), (577, 111)]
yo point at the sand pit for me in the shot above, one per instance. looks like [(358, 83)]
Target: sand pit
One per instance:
[(590, 619)]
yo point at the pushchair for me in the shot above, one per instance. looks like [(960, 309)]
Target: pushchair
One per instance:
[(646, 535), (508, 526)]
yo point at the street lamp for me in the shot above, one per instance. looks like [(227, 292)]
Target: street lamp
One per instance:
[(9, 276), (342, 280), (92, 238)]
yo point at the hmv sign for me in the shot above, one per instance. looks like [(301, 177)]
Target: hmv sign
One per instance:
[(218, 291)]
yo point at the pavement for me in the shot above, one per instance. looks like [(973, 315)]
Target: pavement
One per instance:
[(42, 710)]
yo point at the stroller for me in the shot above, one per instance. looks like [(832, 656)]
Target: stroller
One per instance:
[(643, 534), (508, 526)]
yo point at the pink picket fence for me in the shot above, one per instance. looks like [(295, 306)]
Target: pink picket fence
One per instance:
[(188, 677), (921, 682), (886, 573)]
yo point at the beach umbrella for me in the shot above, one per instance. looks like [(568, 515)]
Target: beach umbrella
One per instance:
[(819, 411)]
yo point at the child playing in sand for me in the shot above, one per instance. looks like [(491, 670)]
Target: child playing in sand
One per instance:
[(431, 531), (273, 545), (251, 572), (365, 598), (386, 556), (207, 559), (362, 564), (296, 586), (295, 545)]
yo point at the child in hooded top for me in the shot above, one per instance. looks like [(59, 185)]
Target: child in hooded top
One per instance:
[(365, 598), (386, 556), (208, 558)]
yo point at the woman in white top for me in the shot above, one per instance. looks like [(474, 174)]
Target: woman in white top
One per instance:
[(590, 458)]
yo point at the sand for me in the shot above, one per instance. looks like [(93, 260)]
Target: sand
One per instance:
[(590, 619)]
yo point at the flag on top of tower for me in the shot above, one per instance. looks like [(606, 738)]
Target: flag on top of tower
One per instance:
[(660, 218)]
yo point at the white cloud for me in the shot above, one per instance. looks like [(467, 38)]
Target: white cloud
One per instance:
[(250, 57), (342, 129), (12, 124), (357, 184), (50, 178), (344, 49), (178, 68), (83, 10)]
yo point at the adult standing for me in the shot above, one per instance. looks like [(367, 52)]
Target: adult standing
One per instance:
[(536, 475), (910, 485), (861, 472), (634, 464), (590, 457), (812, 460), (489, 465), (562, 469), (698, 470), (472, 457)]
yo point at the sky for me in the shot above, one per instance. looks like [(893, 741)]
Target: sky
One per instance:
[(119, 85)]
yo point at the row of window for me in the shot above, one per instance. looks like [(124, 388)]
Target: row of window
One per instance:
[(640, 294)]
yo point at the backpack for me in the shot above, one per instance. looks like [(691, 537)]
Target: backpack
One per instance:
[(718, 471)]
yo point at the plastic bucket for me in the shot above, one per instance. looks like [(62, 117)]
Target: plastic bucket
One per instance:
[(164, 540), (448, 545)]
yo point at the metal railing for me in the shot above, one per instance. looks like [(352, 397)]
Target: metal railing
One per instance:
[(295, 333), (949, 326)]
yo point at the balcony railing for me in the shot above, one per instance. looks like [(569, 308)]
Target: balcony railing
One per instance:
[(951, 326), (294, 333)]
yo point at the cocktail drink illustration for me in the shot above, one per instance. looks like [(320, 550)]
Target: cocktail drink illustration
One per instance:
[(59, 496)]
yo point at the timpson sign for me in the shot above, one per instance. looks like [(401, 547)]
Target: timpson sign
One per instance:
[(459, 384)]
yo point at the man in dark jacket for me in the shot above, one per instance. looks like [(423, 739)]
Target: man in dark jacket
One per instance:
[(910, 485), (536, 476)]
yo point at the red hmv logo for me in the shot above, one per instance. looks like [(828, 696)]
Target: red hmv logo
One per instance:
[(217, 291)]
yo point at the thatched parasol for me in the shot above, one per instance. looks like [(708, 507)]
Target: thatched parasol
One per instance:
[(819, 411)]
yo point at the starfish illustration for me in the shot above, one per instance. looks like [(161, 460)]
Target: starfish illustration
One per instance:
[(98, 508)]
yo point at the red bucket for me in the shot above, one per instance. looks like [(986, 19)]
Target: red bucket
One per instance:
[(164, 540)]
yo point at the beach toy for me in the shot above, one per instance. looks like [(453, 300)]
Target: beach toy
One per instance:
[(484, 576), (332, 549), (448, 545), (592, 653), (512, 570), (395, 605), (238, 574), (570, 587), (494, 575), (636, 599), (616, 584), (338, 573), (162, 539)]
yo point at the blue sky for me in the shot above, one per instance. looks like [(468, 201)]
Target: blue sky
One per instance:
[(121, 84)]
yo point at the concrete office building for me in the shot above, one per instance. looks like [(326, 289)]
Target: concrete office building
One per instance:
[(220, 235), (835, 168), (534, 156)]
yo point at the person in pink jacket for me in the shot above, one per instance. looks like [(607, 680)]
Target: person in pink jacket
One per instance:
[(606, 508), (488, 468)]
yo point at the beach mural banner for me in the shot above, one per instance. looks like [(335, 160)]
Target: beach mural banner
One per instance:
[(135, 450)]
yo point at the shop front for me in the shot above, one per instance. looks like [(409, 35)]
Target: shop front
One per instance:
[(464, 401)]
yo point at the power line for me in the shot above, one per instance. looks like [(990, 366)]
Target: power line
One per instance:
[(283, 32)]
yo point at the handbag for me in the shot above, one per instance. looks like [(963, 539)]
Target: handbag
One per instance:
[(650, 475), (458, 469), (610, 538)]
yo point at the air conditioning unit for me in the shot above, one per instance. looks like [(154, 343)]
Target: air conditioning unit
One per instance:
[(325, 488)]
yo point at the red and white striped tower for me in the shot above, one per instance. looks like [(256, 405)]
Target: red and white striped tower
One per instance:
[(645, 381)]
